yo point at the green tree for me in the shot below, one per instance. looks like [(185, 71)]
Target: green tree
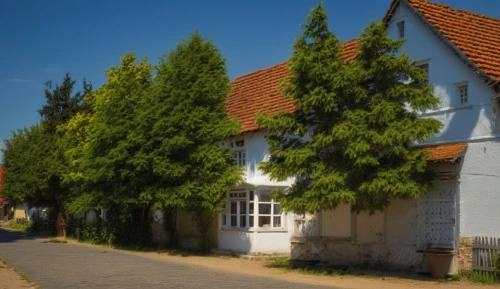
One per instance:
[(188, 120), (350, 139), (25, 178), (102, 159), (35, 162)]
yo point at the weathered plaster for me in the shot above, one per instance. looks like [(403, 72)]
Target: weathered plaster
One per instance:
[(465, 254), (370, 228)]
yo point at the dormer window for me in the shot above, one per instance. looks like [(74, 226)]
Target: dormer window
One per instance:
[(401, 29), (463, 91)]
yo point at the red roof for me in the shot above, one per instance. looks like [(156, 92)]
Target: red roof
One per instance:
[(259, 91), (446, 151), (477, 36)]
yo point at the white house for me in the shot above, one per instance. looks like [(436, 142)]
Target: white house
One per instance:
[(460, 51)]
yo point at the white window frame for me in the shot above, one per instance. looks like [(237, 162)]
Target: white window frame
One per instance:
[(228, 213), (401, 29), (239, 157), (238, 152), (463, 94)]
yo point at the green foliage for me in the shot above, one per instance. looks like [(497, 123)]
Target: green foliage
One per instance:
[(204, 220), (481, 277), (186, 119), (279, 262), (26, 178), (349, 140), (102, 160), (496, 264), (34, 160), (19, 224), (170, 226)]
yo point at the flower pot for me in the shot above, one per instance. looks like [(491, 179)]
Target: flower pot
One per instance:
[(439, 261)]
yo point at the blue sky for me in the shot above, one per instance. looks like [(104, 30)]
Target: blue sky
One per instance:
[(41, 40)]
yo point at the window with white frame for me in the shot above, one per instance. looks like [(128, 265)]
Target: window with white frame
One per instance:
[(239, 153), (239, 157), (463, 91), (401, 29), (252, 209)]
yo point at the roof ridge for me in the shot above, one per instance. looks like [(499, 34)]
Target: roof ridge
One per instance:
[(259, 70), (285, 62)]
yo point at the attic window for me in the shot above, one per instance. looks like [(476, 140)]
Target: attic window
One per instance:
[(463, 91), (401, 29)]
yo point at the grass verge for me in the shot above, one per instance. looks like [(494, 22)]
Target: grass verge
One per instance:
[(21, 275), (55, 241), (286, 265)]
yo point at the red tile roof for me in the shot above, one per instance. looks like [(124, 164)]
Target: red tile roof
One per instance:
[(477, 36), (259, 91), (446, 151)]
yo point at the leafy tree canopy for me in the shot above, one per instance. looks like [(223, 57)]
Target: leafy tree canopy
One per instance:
[(187, 119), (350, 139)]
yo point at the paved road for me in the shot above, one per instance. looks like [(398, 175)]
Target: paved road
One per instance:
[(75, 266)]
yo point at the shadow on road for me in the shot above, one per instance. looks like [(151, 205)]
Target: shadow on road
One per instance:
[(11, 236)]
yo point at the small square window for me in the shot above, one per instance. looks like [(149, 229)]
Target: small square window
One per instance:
[(464, 94), (401, 29)]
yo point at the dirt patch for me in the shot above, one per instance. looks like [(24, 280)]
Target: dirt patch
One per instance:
[(10, 279), (369, 280)]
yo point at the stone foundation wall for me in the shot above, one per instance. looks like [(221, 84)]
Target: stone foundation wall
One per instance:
[(345, 251), (465, 254)]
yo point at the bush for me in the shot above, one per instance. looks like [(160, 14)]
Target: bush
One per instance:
[(496, 265)]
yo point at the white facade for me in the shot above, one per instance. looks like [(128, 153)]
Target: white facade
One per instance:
[(253, 222), (465, 204), (476, 122)]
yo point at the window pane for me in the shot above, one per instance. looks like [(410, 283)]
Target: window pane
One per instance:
[(265, 209), (250, 220), (251, 195), (251, 208), (264, 221), (277, 221), (243, 207), (234, 207), (242, 158), (276, 209), (243, 221), (265, 196), (234, 221)]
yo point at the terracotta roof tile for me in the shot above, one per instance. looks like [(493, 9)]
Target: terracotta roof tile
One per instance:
[(477, 36), (259, 91), (446, 151)]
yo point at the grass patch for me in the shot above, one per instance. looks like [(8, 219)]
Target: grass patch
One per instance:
[(287, 265), (480, 277), (55, 241), (18, 226), (279, 262), (21, 275)]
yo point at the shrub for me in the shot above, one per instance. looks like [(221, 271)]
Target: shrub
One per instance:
[(496, 265)]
